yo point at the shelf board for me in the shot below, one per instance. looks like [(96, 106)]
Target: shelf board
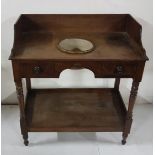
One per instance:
[(81, 109)]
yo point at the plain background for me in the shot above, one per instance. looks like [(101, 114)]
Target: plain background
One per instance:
[(141, 10), (139, 142)]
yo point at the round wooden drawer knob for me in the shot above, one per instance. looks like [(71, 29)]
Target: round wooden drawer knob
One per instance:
[(36, 70), (119, 70)]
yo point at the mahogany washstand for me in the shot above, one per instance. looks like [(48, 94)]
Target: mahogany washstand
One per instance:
[(118, 53)]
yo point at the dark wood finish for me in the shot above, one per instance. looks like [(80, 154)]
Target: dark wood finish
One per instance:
[(50, 69), (108, 46), (132, 99), (23, 125), (118, 53), (28, 84), (117, 83), (75, 110)]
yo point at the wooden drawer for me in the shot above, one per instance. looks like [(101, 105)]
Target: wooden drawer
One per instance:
[(36, 69), (100, 70), (118, 69)]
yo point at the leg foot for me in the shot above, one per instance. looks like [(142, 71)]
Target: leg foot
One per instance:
[(123, 142), (26, 142), (124, 136), (25, 137)]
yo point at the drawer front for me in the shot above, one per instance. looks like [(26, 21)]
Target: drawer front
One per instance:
[(36, 69), (100, 69), (118, 69)]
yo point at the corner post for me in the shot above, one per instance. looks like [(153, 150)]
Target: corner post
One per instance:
[(20, 96), (128, 122), (28, 84), (117, 83)]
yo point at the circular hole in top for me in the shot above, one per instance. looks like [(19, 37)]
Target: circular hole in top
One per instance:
[(75, 45)]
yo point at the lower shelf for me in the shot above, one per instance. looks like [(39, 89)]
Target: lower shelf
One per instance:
[(83, 109)]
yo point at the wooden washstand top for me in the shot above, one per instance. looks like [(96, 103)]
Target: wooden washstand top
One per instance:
[(115, 37)]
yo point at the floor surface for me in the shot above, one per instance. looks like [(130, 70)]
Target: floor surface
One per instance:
[(139, 141)]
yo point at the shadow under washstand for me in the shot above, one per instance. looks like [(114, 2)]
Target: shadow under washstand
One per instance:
[(75, 138)]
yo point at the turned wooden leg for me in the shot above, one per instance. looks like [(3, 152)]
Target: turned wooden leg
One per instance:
[(128, 122), (117, 82), (20, 96), (24, 131), (28, 84)]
